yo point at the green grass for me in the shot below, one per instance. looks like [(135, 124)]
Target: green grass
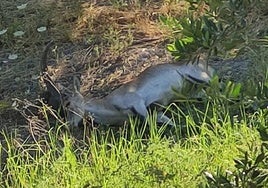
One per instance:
[(133, 157)]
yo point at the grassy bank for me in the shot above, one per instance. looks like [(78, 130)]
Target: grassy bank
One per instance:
[(135, 157)]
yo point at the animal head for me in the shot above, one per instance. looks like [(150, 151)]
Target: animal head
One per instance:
[(196, 73), (208, 70), (197, 76), (70, 107)]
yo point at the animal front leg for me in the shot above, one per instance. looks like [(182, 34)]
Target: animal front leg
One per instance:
[(140, 109)]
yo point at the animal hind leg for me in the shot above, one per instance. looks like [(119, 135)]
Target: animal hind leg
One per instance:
[(162, 118), (140, 109)]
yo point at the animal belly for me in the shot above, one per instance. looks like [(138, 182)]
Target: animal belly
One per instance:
[(166, 98), (111, 118), (162, 94)]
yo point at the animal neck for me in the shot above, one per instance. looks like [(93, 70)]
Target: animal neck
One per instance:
[(95, 106)]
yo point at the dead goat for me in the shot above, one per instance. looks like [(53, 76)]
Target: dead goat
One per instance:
[(155, 85)]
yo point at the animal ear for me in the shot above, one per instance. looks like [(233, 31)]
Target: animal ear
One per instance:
[(76, 84)]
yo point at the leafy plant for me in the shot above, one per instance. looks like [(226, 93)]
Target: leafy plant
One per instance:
[(249, 171), (212, 28)]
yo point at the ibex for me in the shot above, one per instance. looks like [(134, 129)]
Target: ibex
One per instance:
[(155, 85)]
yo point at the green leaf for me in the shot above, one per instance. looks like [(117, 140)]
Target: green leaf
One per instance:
[(255, 174), (261, 178), (210, 24), (180, 45), (231, 44), (260, 158), (171, 47), (238, 164), (188, 40), (236, 90), (176, 54), (207, 36)]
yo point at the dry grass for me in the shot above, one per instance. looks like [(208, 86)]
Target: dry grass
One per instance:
[(142, 21)]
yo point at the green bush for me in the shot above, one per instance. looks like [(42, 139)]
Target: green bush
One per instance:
[(213, 27)]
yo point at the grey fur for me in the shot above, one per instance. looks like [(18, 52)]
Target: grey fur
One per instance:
[(155, 85)]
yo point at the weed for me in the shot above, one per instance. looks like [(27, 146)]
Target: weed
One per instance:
[(208, 31)]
